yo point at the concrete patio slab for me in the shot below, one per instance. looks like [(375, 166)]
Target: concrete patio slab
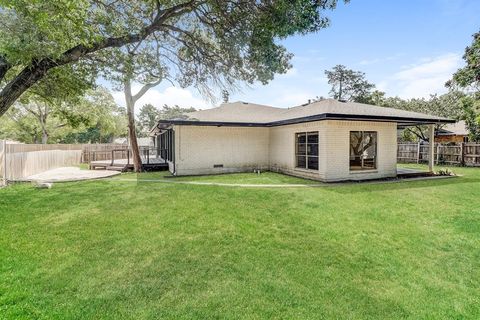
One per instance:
[(65, 174)]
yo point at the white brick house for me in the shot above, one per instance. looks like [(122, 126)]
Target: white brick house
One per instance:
[(328, 140)]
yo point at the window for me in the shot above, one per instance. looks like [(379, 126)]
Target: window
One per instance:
[(166, 145), (306, 150), (363, 150)]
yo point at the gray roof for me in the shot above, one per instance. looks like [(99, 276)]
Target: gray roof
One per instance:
[(251, 114), (457, 129)]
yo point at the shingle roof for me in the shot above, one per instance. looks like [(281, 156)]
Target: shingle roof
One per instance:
[(250, 114), (238, 112), (459, 129)]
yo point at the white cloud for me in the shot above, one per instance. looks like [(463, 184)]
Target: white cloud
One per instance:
[(170, 96), (424, 78)]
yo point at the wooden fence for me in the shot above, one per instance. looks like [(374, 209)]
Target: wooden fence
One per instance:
[(3, 178), (23, 164), (462, 154), (23, 160)]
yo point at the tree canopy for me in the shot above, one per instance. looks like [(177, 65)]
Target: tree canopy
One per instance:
[(203, 42), (468, 78), (149, 115), (348, 84), (469, 75), (93, 117)]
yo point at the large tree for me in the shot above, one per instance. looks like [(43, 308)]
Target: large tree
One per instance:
[(149, 115), (468, 78), (147, 118), (93, 117), (212, 40), (348, 84), (448, 105), (469, 75)]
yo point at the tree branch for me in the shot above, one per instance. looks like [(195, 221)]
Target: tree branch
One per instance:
[(144, 90), (39, 68)]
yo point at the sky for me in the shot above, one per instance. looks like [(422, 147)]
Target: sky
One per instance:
[(407, 48)]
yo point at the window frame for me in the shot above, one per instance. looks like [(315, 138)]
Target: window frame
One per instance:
[(362, 166), (306, 154)]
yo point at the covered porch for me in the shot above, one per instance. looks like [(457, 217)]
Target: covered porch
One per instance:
[(410, 172)]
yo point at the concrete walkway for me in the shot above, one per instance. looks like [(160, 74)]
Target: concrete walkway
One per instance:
[(65, 174)]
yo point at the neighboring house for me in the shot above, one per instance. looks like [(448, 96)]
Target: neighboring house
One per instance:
[(453, 132), (328, 140)]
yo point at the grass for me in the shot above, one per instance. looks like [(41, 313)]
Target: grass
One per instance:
[(111, 249), (269, 178)]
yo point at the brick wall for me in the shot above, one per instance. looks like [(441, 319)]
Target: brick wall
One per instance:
[(198, 149), (237, 149)]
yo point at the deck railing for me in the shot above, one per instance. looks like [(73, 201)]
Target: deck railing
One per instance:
[(152, 155)]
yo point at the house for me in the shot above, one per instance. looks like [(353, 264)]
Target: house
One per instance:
[(327, 140), (453, 132)]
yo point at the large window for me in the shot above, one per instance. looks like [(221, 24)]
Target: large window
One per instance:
[(363, 150), (306, 150), (166, 145)]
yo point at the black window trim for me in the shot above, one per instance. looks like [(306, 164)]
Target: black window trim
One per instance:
[(306, 155), (363, 169)]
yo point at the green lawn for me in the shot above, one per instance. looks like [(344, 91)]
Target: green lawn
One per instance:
[(112, 249), (268, 178)]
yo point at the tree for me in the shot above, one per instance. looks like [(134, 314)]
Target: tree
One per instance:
[(447, 105), (175, 112), (230, 40), (471, 108), (469, 75), (91, 118), (149, 115), (376, 98), (348, 84), (147, 118), (468, 78)]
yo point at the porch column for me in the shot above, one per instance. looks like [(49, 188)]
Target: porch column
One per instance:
[(431, 147)]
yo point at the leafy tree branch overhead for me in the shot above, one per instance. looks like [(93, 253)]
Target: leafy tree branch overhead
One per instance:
[(206, 41)]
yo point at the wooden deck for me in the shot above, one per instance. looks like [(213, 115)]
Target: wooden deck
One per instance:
[(153, 163)]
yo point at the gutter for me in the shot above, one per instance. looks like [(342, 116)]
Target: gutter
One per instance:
[(405, 121)]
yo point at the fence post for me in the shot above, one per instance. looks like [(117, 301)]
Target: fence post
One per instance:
[(462, 153), (438, 152), (418, 152), (4, 150)]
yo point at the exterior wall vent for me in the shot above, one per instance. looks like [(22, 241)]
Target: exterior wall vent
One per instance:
[(218, 165)]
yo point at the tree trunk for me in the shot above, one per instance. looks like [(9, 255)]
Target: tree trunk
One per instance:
[(44, 137), (132, 133)]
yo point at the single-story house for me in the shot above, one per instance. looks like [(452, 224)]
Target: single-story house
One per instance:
[(327, 140), (453, 132)]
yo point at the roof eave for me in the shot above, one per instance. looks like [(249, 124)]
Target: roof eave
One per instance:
[(403, 121)]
